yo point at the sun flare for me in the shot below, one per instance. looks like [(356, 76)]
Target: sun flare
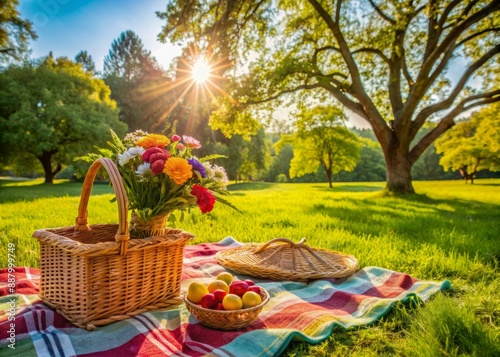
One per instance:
[(200, 71)]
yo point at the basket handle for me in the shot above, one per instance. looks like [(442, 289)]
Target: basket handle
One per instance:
[(122, 235), (295, 246), (284, 240)]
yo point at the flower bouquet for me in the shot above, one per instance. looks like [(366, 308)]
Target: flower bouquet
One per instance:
[(161, 175)]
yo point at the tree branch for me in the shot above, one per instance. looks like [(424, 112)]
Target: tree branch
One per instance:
[(337, 11), (494, 29), (447, 12), (394, 87), (246, 18), (428, 111), (336, 92), (374, 51), (429, 60), (407, 74), (321, 49), (365, 101), (448, 121), (381, 13)]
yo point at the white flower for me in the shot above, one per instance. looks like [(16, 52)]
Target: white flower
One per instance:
[(217, 174), (143, 169), (130, 154)]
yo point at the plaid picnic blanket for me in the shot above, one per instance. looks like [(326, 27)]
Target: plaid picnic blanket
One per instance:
[(307, 312)]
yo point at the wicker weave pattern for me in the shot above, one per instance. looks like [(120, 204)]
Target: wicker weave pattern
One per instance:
[(282, 259), (227, 319), (95, 275)]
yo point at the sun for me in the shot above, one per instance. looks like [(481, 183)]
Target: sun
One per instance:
[(200, 71)]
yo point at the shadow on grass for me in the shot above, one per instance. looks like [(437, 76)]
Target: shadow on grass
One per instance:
[(348, 188), (250, 186), (11, 194), (465, 226)]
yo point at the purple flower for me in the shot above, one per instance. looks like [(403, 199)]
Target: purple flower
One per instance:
[(198, 167)]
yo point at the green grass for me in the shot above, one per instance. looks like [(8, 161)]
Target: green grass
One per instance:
[(449, 230)]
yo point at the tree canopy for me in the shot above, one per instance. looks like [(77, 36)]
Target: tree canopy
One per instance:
[(395, 64), (55, 111), (138, 84), (321, 139), (14, 31), (472, 145), (85, 59)]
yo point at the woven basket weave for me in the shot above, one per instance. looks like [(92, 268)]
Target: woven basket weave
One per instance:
[(282, 259), (96, 275), (227, 319)]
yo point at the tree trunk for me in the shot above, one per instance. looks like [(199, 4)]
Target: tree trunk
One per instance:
[(329, 177), (398, 171), (46, 161)]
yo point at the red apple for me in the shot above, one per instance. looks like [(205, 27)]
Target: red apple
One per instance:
[(219, 294), (208, 301), (249, 282), (254, 288), (238, 288), (219, 306)]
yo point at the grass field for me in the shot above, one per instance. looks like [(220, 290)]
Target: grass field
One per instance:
[(449, 230)]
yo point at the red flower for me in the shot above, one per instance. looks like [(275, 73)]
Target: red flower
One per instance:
[(205, 199), (147, 154)]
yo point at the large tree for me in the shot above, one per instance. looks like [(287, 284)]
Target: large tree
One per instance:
[(472, 145), (54, 111), (393, 63), (138, 84), (14, 31), (321, 139)]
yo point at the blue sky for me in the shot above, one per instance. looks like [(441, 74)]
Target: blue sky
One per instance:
[(66, 27)]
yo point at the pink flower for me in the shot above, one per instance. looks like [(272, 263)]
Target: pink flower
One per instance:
[(175, 138), (191, 142), (157, 166), (204, 198), (147, 154), (165, 155), (180, 146)]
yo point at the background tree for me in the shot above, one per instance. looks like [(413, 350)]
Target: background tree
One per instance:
[(472, 145), (85, 59), (54, 111), (321, 139), (386, 61), (14, 31), (138, 84)]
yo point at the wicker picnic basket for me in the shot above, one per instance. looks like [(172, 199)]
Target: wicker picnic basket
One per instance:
[(227, 319), (96, 275), (283, 259)]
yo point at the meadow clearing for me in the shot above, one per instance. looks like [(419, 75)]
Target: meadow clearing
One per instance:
[(448, 230)]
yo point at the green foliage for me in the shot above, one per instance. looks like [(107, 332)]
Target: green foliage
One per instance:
[(85, 59), (474, 144), (54, 110), (14, 32), (248, 159), (281, 178), (321, 140), (138, 84), (446, 233)]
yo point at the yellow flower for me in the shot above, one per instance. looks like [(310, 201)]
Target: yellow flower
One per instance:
[(178, 169), (151, 140)]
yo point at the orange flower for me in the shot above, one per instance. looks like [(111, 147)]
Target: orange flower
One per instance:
[(151, 140), (178, 169)]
